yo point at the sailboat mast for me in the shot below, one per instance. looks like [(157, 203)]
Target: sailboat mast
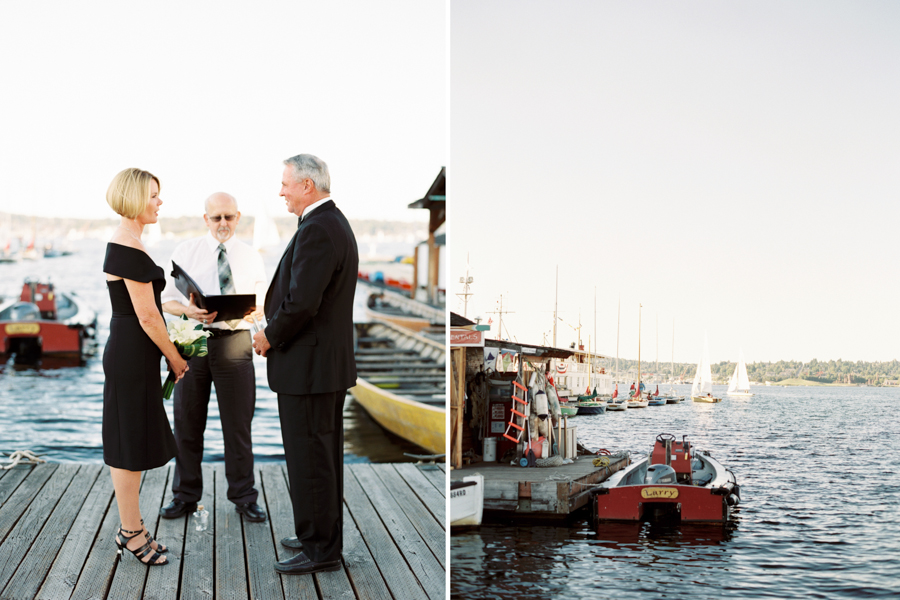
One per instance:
[(673, 350), (595, 332), (555, 305), (639, 352), (618, 319)]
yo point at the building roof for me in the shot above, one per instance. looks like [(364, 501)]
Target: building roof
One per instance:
[(435, 200)]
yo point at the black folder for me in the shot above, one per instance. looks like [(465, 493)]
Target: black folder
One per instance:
[(229, 306)]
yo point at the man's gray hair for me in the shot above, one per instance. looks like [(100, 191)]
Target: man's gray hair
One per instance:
[(307, 166)]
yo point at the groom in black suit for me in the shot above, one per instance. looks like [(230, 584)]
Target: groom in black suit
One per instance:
[(309, 346)]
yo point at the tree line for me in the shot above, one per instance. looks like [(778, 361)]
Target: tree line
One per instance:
[(832, 371)]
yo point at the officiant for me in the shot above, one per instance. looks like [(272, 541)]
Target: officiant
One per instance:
[(220, 264)]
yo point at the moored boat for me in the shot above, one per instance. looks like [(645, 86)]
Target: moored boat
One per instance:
[(401, 382), (675, 481), (386, 305), (591, 407), (467, 501), (44, 323)]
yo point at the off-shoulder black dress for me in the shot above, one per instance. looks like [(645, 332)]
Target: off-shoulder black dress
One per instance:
[(136, 431)]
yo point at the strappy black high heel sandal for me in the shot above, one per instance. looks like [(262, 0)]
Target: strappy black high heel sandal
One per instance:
[(122, 540), (161, 548)]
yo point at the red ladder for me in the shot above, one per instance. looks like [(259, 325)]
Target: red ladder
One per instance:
[(516, 415)]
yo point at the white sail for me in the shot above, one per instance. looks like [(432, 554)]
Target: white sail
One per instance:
[(703, 379), (743, 382), (695, 386), (739, 384), (265, 233)]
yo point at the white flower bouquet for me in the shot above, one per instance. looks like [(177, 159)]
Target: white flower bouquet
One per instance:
[(190, 340)]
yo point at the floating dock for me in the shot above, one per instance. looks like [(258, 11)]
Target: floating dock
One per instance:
[(539, 492), (58, 522)]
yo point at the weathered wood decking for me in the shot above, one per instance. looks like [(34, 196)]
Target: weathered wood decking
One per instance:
[(58, 522), (538, 492)]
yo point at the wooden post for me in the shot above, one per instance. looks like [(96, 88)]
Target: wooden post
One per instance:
[(415, 277), (457, 404)]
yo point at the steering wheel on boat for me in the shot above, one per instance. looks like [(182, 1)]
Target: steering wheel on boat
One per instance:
[(664, 437)]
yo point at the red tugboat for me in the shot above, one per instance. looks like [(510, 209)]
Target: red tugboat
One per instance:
[(676, 481), (44, 323)]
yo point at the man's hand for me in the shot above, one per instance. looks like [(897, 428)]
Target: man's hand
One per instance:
[(194, 312), (261, 344)]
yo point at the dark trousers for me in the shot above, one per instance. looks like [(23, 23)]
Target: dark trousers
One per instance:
[(228, 365), (313, 433)]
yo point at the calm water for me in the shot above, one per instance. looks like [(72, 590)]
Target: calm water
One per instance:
[(819, 470), (58, 411)]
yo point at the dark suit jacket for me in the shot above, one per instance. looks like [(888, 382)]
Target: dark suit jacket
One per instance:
[(309, 307)]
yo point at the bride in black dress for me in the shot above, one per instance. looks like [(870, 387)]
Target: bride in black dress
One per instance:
[(136, 431)]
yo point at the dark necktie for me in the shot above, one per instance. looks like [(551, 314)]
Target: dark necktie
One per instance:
[(226, 282)]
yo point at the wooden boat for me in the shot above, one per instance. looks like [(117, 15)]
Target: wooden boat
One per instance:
[(675, 481), (701, 389), (466, 501), (396, 308), (657, 401), (569, 409), (670, 399), (591, 407), (638, 402), (739, 384), (401, 382), (617, 404), (43, 323)]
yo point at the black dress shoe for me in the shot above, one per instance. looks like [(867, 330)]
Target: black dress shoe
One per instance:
[(300, 565), (251, 511), (292, 542), (176, 508)]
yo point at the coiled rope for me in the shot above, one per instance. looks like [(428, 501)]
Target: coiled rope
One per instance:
[(22, 456)]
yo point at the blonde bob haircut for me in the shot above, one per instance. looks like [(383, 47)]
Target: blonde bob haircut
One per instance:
[(129, 192)]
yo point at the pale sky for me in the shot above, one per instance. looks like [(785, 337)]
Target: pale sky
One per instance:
[(213, 96), (732, 166)]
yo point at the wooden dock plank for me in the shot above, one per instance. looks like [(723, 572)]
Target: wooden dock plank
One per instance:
[(61, 532), (20, 499), (265, 583), (281, 516), (231, 563), (432, 499), (53, 532), (364, 576), (60, 581), (414, 549), (424, 522), (161, 582), (130, 576), (12, 478), (102, 559), (399, 579), (197, 577), (437, 478), (26, 530)]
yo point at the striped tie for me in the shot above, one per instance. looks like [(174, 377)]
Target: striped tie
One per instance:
[(226, 284)]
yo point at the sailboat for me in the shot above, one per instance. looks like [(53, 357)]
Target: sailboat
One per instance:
[(265, 232), (638, 400), (739, 384), (701, 390)]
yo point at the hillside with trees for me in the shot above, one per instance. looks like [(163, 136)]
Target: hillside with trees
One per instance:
[(827, 372)]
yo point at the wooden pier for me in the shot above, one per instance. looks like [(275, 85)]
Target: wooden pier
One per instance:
[(58, 522), (539, 492)]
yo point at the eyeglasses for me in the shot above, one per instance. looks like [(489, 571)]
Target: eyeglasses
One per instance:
[(218, 218)]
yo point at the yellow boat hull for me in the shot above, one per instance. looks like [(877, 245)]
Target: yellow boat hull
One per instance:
[(419, 423)]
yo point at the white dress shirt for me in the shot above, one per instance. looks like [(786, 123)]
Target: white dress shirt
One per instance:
[(314, 206), (199, 257)]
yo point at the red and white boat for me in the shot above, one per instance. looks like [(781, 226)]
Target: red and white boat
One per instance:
[(43, 323), (676, 481)]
